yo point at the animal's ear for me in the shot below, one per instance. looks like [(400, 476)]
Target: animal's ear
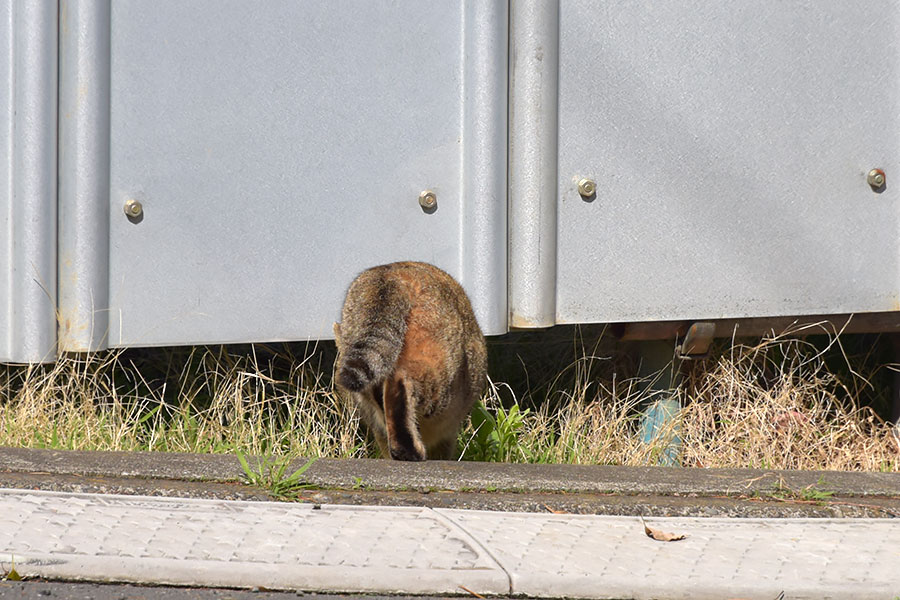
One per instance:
[(337, 332)]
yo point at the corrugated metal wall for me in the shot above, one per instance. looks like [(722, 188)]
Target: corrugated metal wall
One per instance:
[(28, 113), (680, 160)]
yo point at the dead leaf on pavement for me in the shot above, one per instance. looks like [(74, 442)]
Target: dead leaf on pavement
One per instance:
[(661, 536)]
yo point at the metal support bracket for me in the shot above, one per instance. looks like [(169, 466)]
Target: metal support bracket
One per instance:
[(697, 340)]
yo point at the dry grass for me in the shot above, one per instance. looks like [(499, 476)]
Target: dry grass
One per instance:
[(774, 404), (203, 400), (777, 405)]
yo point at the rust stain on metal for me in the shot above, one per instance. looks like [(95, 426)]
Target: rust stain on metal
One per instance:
[(518, 321)]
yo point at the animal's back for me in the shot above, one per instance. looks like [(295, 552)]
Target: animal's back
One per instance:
[(413, 355)]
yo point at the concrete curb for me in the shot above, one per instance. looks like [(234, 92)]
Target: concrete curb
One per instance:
[(458, 476), (441, 551)]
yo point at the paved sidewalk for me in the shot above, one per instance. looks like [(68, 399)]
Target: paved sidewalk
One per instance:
[(441, 551)]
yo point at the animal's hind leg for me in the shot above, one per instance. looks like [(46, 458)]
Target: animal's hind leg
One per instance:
[(403, 436), (370, 405)]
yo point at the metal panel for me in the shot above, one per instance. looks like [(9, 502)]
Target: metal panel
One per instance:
[(533, 65), (84, 175), (28, 175), (483, 201), (730, 143), (279, 148)]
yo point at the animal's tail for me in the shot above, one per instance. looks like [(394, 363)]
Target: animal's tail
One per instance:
[(378, 329)]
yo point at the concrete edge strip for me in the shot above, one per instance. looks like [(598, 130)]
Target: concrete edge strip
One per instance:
[(327, 579), (129, 497), (486, 579), (442, 515), (528, 579), (385, 475), (244, 574)]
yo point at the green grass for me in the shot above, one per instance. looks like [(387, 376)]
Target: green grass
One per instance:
[(271, 474), (495, 434), (816, 492)]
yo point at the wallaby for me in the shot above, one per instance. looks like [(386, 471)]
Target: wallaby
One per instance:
[(411, 354)]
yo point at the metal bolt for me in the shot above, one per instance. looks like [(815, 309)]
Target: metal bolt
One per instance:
[(428, 199), (587, 188), (875, 178), (133, 208)]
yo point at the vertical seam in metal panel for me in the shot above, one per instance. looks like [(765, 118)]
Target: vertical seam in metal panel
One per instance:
[(10, 184), (83, 252), (56, 227), (533, 157), (464, 141), (33, 198), (484, 161)]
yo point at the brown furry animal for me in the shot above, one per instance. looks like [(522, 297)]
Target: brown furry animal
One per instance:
[(411, 353)]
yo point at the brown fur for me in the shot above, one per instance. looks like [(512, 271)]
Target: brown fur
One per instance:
[(412, 355)]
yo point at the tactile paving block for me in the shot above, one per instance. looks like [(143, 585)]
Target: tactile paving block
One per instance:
[(241, 544), (611, 557)]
